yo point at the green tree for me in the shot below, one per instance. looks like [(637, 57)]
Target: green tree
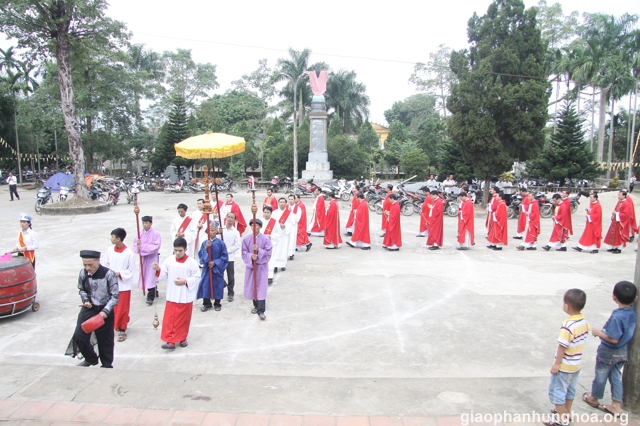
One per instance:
[(348, 99), (367, 137), (347, 158), (435, 77), (221, 113), (149, 69), (190, 80), (335, 128), (411, 110), (174, 131), (451, 162), (260, 83), (414, 162), (499, 105), (50, 28), (567, 156)]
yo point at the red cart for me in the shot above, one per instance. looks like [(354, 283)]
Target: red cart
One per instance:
[(18, 287)]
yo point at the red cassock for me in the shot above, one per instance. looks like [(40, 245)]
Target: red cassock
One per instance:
[(562, 228), (424, 214), (303, 238), (632, 216), (241, 224), (592, 234), (354, 207), (499, 231), (121, 311), (386, 205), (618, 233), (332, 225), (522, 219), (320, 214), (435, 223), (493, 204), (534, 223), (361, 230), (393, 236), (176, 321), (271, 201), (465, 222)]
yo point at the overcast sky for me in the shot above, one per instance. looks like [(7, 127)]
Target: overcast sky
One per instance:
[(340, 33)]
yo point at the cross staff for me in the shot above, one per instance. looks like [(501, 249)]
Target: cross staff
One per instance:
[(254, 210), (136, 210), (207, 211)]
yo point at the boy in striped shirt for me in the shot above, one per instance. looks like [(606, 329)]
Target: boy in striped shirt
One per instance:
[(568, 362)]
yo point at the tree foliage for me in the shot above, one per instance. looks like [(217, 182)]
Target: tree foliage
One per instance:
[(499, 105), (567, 156), (367, 137), (347, 158)]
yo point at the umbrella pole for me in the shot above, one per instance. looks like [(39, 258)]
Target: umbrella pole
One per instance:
[(207, 211), (136, 210), (254, 210), (215, 188)]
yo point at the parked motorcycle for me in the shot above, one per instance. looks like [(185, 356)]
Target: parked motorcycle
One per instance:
[(308, 188), (64, 193), (171, 186), (513, 209), (43, 197), (114, 195), (132, 193), (96, 195), (546, 208)]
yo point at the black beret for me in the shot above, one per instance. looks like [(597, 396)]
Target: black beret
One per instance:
[(258, 222), (89, 254), (147, 218)]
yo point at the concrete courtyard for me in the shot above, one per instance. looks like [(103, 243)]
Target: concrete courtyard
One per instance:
[(348, 332)]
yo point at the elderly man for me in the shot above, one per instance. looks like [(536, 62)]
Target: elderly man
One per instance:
[(256, 258), (98, 289)]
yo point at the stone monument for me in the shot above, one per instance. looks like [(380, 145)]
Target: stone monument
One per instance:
[(318, 167)]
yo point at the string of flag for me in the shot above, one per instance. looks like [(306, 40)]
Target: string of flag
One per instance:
[(27, 156)]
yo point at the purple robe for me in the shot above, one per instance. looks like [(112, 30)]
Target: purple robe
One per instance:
[(262, 265), (149, 248)]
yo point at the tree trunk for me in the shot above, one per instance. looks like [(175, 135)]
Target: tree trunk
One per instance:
[(69, 110), (601, 124), (555, 112), (15, 122), (633, 131), (300, 110), (593, 113), (485, 193), (578, 100), (610, 150), (631, 377), (444, 102)]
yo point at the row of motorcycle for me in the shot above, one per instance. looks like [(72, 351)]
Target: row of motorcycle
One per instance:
[(195, 186), (107, 190)]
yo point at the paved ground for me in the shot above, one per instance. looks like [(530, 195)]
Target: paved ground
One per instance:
[(348, 332)]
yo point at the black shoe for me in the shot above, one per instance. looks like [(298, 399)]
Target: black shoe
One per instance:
[(532, 248), (275, 270), (497, 248), (309, 246), (462, 248), (149, 302), (577, 248), (230, 299), (291, 257), (381, 235), (546, 248), (308, 234), (611, 250), (561, 249), (517, 238), (270, 281), (365, 248), (633, 237), (283, 269), (521, 248), (349, 244), (491, 247), (434, 248), (86, 363), (594, 252), (394, 249), (106, 366), (348, 234), (418, 236), (184, 343), (168, 346), (616, 251)]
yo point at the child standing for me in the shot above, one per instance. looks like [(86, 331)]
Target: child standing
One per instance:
[(568, 362), (612, 352), (122, 261)]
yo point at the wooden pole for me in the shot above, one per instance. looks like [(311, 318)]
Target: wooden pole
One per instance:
[(215, 188), (136, 210), (207, 211), (254, 210)]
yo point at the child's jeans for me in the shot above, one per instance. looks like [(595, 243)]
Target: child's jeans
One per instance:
[(609, 363)]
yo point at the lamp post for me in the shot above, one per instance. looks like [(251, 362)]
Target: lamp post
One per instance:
[(295, 133)]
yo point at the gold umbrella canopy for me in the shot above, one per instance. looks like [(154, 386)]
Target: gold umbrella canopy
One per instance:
[(210, 145)]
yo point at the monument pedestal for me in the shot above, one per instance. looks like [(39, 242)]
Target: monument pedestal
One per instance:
[(318, 167)]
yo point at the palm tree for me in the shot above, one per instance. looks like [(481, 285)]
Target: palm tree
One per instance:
[(291, 69), (149, 67), (13, 82), (348, 99)]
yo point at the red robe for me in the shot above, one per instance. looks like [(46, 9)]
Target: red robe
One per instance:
[(354, 207), (522, 219), (272, 202), (592, 234), (534, 223), (386, 205), (393, 236), (332, 225), (632, 215), (499, 231), (493, 204), (361, 230), (319, 215), (618, 233), (424, 213), (176, 321), (465, 222), (303, 238), (562, 228), (121, 311), (435, 223), (241, 224)]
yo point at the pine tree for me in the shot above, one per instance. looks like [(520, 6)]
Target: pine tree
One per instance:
[(367, 137), (567, 156), (174, 131)]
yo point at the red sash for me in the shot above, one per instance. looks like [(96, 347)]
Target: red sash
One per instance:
[(284, 216), (185, 223), (29, 254), (269, 229)]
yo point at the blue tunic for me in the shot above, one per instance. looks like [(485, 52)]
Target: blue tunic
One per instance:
[(219, 256)]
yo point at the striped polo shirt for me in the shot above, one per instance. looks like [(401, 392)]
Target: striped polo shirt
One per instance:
[(573, 333)]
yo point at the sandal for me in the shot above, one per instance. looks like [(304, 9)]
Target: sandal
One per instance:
[(217, 308), (585, 398), (254, 311), (554, 423), (607, 410), (205, 308), (122, 336)]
